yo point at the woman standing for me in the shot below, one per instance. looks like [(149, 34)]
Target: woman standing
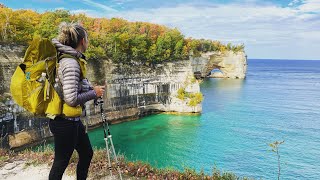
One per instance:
[(74, 89)]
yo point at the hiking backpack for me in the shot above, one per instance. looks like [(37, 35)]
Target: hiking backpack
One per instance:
[(32, 84)]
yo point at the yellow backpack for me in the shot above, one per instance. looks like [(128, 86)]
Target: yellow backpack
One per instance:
[(32, 82)]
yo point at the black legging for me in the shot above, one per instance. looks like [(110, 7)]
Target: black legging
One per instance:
[(69, 135)]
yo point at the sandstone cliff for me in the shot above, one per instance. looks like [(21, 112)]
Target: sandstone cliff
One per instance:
[(141, 90), (230, 64), (10, 57)]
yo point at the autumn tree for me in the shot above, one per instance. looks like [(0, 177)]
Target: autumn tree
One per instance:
[(6, 18), (49, 22), (115, 38)]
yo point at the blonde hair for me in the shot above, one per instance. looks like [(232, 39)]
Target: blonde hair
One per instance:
[(71, 34)]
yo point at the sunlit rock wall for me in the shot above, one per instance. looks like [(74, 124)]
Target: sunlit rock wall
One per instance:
[(231, 65)]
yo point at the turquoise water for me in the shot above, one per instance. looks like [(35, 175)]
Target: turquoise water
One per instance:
[(279, 100)]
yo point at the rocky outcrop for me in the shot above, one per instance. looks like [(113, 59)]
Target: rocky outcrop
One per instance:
[(178, 105), (22, 138), (230, 64)]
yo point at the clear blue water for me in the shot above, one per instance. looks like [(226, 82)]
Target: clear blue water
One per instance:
[(279, 100)]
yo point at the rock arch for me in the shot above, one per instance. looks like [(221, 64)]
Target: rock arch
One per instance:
[(232, 65)]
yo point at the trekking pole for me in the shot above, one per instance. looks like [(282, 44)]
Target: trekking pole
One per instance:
[(86, 117), (108, 138)]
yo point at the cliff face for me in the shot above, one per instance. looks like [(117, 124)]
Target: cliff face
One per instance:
[(141, 90), (230, 64), (132, 92), (10, 57)]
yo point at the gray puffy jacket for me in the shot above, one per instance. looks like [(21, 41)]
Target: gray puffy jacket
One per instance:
[(72, 89)]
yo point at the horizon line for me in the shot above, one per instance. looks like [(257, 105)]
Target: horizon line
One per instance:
[(281, 59)]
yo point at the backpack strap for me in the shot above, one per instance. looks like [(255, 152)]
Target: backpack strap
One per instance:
[(66, 109), (82, 63)]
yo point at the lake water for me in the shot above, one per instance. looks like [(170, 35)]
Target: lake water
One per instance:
[(279, 100)]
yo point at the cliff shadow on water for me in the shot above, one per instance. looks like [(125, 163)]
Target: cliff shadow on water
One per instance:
[(223, 91)]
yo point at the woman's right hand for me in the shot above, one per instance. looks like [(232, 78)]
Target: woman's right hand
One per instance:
[(99, 90)]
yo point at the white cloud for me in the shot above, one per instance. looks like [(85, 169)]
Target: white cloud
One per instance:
[(268, 31), (294, 2), (99, 5), (310, 6), (89, 12)]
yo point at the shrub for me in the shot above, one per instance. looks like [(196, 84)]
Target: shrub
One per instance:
[(181, 93)]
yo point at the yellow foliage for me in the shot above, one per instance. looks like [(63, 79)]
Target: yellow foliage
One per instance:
[(181, 93), (195, 99)]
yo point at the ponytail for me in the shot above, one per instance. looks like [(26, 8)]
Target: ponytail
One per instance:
[(71, 34)]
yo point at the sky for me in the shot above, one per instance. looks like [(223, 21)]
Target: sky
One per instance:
[(269, 29)]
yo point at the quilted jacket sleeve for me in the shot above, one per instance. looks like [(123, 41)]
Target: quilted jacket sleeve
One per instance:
[(69, 75)]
